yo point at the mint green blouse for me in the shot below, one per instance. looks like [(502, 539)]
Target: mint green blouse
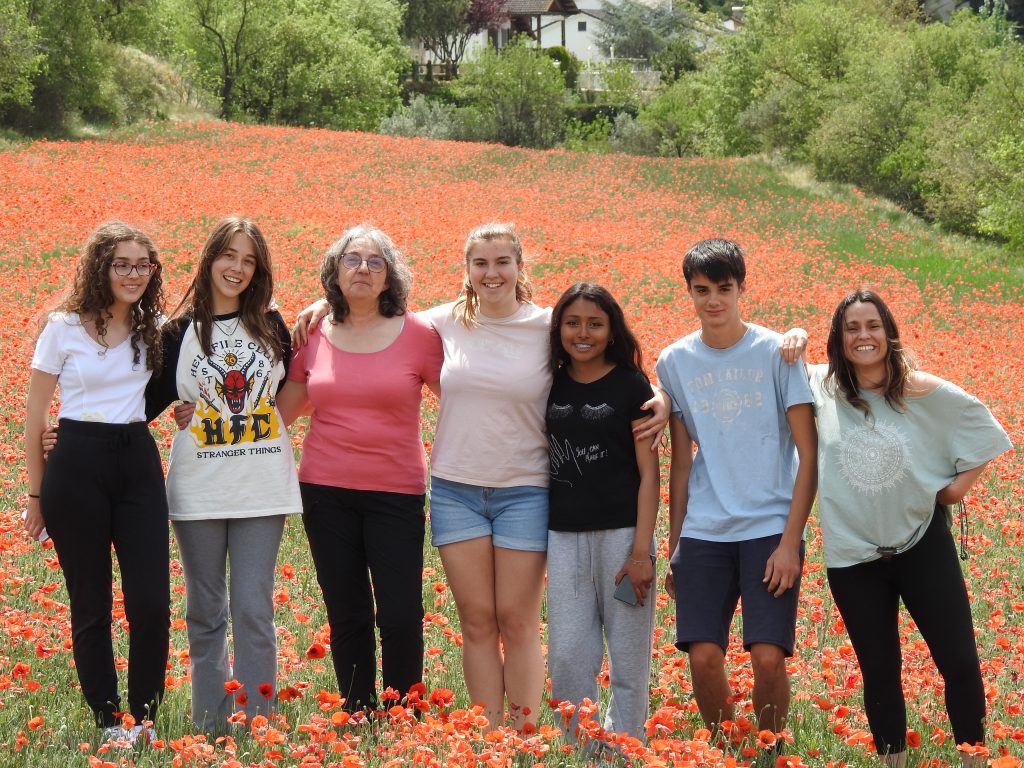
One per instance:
[(878, 475)]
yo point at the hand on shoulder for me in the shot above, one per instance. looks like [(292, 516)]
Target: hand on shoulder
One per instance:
[(922, 383)]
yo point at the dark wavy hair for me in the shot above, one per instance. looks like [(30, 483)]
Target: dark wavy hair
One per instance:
[(392, 300), (623, 349), (253, 301), (467, 303), (91, 295), (842, 378)]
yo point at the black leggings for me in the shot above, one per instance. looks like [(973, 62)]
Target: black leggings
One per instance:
[(104, 485), (355, 536), (928, 579)]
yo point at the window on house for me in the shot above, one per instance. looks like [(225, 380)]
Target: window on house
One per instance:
[(581, 26)]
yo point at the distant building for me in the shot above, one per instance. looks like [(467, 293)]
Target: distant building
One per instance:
[(573, 24)]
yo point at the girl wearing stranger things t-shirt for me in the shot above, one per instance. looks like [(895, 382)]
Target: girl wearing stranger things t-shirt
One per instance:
[(231, 479), (604, 497)]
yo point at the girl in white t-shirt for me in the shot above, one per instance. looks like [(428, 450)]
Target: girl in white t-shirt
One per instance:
[(103, 484), (489, 473)]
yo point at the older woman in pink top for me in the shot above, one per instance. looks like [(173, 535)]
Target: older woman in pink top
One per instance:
[(363, 468)]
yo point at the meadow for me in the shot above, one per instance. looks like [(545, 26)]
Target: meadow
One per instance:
[(622, 221)]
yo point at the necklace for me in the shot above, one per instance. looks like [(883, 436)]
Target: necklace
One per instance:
[(221, 325)]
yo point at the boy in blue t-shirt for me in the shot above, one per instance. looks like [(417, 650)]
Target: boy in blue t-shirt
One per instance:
[(738, 507)]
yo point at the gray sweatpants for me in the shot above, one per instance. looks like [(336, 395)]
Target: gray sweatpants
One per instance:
[(581, 585), (251, 545)]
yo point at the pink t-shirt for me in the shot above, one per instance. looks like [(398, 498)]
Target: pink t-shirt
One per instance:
[(494, 389), (364, 433)]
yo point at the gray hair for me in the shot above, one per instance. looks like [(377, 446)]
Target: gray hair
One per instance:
[(392, 300)]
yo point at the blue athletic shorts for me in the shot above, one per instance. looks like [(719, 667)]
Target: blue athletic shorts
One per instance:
[(514, 518), (712, 576)]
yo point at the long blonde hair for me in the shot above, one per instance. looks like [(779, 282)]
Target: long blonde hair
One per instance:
[(468, 303)]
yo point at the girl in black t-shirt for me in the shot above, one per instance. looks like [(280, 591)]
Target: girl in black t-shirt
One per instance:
[(604, 498)]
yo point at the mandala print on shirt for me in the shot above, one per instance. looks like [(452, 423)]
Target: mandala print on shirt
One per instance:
[(874, 459)]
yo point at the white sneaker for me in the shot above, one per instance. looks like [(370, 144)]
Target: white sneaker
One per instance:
[(117, 734), (146, 734)]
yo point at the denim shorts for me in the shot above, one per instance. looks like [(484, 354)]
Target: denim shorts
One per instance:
[(514, 518), (710, 578)]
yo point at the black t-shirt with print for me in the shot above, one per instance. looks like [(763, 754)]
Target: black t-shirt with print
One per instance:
[(594, 474)]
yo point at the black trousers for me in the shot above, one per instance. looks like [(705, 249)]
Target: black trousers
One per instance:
[(357, 537), (104, 486), (928, 579)]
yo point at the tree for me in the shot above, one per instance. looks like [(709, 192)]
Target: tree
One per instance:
[(519, 91), (333, 63), (635, 30), (445, 26), (19, 58), (228, 26)]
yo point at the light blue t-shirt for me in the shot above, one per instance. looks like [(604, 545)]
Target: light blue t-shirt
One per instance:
[(733, 402)]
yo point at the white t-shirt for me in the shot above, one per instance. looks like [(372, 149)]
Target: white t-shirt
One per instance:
[(96, 383), (878, 476), (494, 389), (235, 459)]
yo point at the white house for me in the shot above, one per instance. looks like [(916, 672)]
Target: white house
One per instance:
[(573, 24)]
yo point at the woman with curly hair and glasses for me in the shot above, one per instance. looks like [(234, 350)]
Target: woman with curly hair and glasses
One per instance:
[(103, 483)]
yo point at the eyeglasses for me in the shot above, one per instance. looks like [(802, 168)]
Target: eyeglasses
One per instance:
[(142, 269), (355, 261)]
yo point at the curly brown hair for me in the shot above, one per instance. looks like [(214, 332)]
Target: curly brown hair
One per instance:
[(255, 299), (91, 295)]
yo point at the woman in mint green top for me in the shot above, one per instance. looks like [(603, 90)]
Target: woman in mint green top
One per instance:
[(894, 445)]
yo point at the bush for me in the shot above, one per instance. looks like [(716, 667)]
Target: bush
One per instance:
[(19, 57), (634, 137), (518, 93), (144, 87), (568, 64), (588, 137), (423, 117)]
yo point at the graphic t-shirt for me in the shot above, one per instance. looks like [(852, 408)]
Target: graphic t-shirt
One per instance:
[(733, 402), (878, 475), (594, 474), (235, 457)]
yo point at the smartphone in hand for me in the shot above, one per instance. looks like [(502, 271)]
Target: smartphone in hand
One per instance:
[(625, 593)]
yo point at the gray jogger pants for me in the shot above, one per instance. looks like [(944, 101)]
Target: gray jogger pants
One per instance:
[(581, 585), (250, 545)]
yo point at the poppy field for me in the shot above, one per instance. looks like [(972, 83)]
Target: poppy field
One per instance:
[(619, 220)]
